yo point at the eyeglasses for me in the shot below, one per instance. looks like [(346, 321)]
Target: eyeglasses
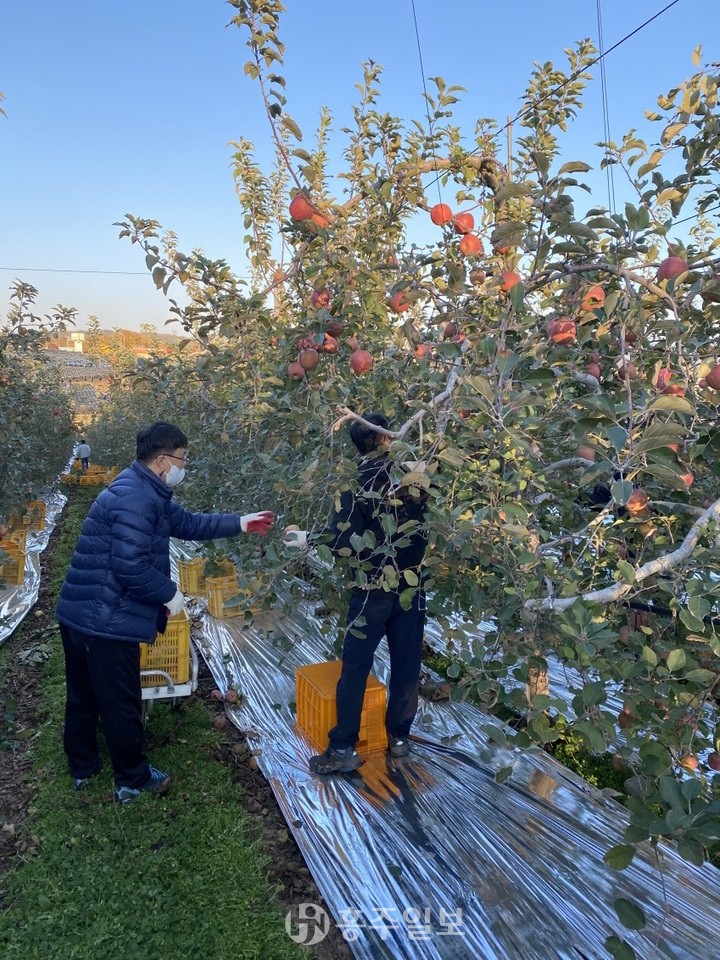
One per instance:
[(172, 456)]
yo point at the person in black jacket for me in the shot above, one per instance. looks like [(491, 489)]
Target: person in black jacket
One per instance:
[(117, 594), (391, 521)]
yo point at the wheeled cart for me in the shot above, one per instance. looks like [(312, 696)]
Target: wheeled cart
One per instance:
[(169, 667)]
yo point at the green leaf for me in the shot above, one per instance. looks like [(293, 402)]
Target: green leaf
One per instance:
[(574, 166), (411, 577), (620, 856), (670, 791), (672, 404), (621, 491), (626, 571), (452, 456), (508, 234), (289, 124), (324, 553), (629, 914), (691, 850), (517, 295), (649, 656), (676, 659), (618, 437), (503, 774), (701, 676), (692, 623), (619, 949)]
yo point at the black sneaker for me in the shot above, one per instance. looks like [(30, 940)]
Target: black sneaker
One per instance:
[(336, 761), (398, 747)]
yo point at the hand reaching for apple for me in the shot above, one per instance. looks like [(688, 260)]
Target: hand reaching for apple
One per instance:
[(261, 522)]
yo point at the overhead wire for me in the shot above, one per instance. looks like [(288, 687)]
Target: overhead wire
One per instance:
[(576, 74), (427, 100), (606, 112)]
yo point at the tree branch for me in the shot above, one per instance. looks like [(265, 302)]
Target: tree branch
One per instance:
[(659, 565)]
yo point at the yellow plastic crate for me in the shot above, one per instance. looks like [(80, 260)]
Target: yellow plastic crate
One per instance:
[(315, 689), (68, 479), (95, 468), (191, 574), (170, 653), (12, 568), (220, 589), (90, 480), (18, 520), (18, 537)]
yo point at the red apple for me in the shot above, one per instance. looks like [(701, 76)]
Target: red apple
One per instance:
[(689, 762), (627, 371), (352, 343), (477, 276), (423, 351), (361, 361), (586, 452), (675, 447), (471, 245), (509, 279), (441, 214), (663, 377), (463, 222), (295, 370), (335, 328), (594, 370), (712, 380), (713, 761), (320, 298), (231, 696), (563, 331), (220, 722), (594, 299), (300, 207), (398, 303), (671, 267), (216, 695), (674, 390), (687, 478), (450, 330), (330, 344), (637, 503), (309, 359)]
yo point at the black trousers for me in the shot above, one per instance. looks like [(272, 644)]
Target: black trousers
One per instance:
[(383, 616), (103, 682)]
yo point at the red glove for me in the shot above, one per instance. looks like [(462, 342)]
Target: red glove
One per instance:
[(261, 523)]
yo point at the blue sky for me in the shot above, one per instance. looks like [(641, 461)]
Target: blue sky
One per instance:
[(129, 107)]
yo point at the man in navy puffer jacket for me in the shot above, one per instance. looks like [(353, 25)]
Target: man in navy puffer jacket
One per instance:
[(117, 594)]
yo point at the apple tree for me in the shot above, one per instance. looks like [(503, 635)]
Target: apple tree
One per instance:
[(550, 371)]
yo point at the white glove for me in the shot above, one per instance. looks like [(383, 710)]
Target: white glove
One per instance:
[(261, 522), (294, 538), (176, 605)]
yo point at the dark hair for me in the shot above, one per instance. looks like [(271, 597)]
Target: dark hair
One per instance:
[(363, 437), (159, 438), (82, 439)]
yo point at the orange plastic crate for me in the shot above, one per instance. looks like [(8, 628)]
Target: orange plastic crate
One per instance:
[(68, 479), (220, 589), (315, 687), (170, 653)]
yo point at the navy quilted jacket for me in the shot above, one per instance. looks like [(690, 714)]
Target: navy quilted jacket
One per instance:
[(119, 577)]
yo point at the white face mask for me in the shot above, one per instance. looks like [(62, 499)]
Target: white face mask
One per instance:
[(175, 475)]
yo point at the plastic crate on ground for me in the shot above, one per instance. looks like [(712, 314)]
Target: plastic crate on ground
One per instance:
[(12, 567), (191, 574), (90, 480), (219, 590), (315, 687), (95, 468), (170, 653), (18, 536), (68, 479)]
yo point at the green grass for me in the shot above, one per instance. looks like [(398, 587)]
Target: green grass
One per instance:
[(163, 877)]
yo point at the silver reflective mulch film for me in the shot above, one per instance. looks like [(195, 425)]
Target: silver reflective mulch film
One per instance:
[(17, 600), (429, 857)]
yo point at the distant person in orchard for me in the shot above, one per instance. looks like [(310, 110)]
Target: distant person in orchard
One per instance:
[(83, 455), (117, 594), (374, 612)]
